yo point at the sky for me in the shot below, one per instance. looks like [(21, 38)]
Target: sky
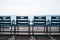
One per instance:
[(29, 7)]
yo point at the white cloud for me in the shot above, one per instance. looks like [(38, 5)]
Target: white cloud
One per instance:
[(29, 7)]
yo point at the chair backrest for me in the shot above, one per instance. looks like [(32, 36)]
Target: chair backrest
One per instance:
[(55, 20), (39, 20), (5, 20), (22, 20)]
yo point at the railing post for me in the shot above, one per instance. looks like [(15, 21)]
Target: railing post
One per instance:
[(48, 29), (13, 24)]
